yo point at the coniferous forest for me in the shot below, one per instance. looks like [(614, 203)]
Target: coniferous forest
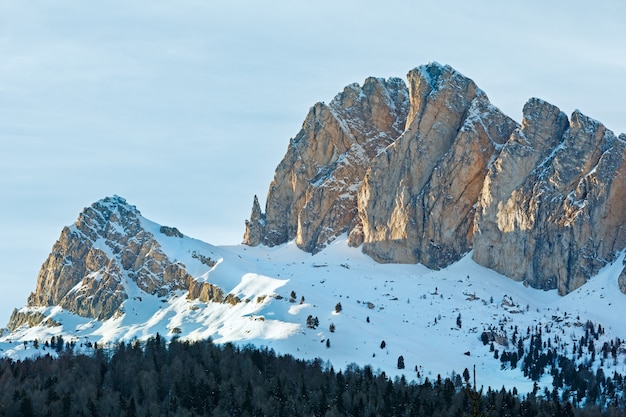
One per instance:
[(156, 378)]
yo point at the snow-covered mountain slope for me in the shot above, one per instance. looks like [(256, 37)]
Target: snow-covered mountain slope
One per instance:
[(434, 319)]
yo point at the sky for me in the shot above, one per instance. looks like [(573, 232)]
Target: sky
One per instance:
[(186, 108)]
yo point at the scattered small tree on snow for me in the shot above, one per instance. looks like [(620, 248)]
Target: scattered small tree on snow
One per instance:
[(400, 362), (332, 327), (383, 344), (466, 375), (338, 308), (312, 322)]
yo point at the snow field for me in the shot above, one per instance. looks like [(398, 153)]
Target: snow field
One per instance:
[(413, 309)]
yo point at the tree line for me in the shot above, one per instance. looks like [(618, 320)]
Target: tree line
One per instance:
[(582, 374), (181, 378)]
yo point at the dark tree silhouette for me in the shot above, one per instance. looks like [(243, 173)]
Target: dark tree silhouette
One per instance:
[(400, 362)]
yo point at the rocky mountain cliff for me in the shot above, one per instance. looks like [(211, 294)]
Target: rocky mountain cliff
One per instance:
[(111, 250), (553, 207), (313, 197), (417, 202), (427, 173)]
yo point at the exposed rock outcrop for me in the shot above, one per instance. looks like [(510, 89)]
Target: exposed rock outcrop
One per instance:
[(429, 173), (313, 197), (621, 280), (88, 266), (21, 318), (205, 292), (417, 201), (553, 207), (106, 255), (253, 235)]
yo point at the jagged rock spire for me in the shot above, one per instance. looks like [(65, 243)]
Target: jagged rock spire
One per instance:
[(418, 198), (428, 173), (553, 208), (312, 198), (255, 226)]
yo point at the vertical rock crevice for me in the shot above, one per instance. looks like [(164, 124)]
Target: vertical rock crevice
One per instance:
[(418, 197)]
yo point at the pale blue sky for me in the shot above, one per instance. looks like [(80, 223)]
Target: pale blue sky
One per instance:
[(186, 108)]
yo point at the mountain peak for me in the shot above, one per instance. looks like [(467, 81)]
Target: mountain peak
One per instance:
[(109, 253), (114, 202), (411, 189), (425, 173), (108, 216)]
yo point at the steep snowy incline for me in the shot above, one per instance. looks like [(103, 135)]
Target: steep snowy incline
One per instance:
[(340, 305)]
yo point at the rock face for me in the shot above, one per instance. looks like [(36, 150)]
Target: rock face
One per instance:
[(553, 208), (313, 197), (106, 255), (621, 281), (255, 226), (417, 201), (429, 173)]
